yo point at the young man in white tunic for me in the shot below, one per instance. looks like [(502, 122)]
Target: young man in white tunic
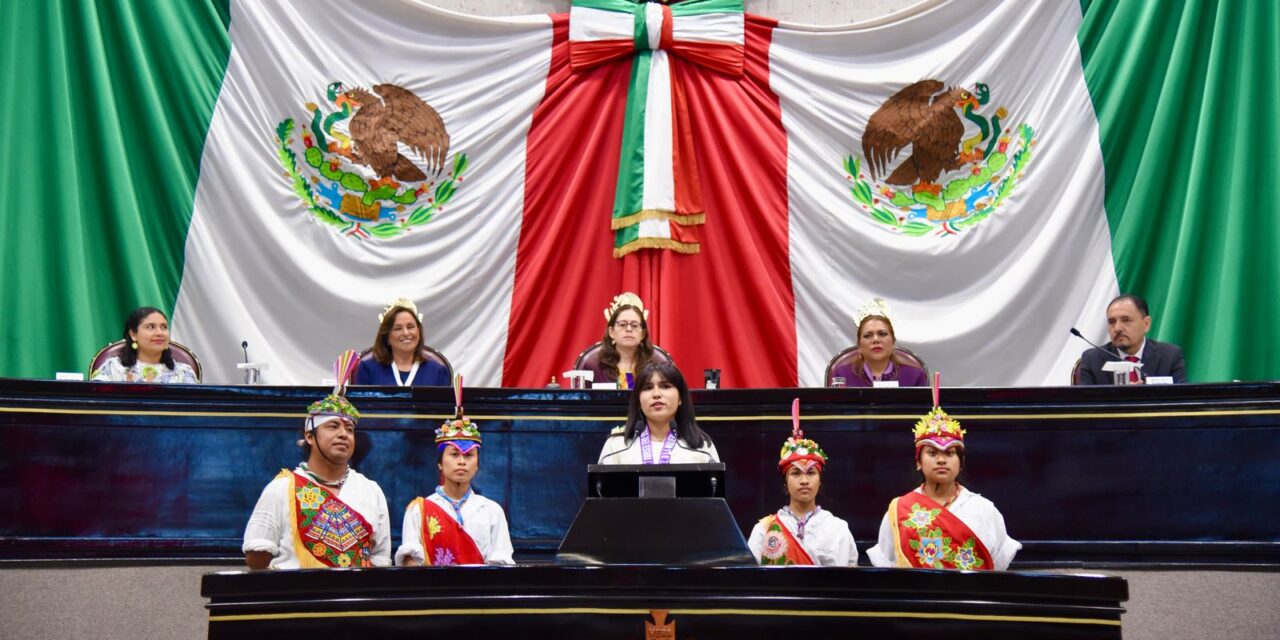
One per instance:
[(323, 513), (455, 525), (941, 524), (802, 533), (661, 427)]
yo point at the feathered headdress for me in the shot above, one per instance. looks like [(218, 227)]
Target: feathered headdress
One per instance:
[(336, 405), (799, 450), (625, 299), (459, 431), (936, 427)]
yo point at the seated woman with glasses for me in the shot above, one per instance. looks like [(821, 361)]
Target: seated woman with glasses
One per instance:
[(660, 428), (626, 348)]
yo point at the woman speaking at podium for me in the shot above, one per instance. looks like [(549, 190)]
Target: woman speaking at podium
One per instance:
[(660, 427)]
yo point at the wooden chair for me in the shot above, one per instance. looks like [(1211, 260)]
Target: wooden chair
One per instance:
[(846, 356), (180, 354)]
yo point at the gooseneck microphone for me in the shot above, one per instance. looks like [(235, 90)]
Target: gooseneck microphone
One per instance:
[(1076, 332), (245, 345)]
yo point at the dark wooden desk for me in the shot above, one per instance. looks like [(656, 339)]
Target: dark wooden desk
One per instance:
[(1177, 474), (738, 603)]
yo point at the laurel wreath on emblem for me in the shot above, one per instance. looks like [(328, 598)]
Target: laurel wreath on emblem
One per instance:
[(333, 180), (983, 168)]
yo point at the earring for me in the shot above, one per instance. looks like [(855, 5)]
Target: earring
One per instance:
[(134, 344)]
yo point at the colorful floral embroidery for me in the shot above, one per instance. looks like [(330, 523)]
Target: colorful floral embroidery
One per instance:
[(318, 550), (344, 560), (775, 546), (433, 526), (443, 557), (310, 498), (932, 549), (920, 518), (966, 558)]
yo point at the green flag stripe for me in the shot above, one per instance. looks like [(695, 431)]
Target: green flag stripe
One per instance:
[(629, 194), (1186, 95), (105, 109), (699, 7)]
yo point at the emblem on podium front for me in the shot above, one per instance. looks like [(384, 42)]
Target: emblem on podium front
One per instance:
[(659, 629)]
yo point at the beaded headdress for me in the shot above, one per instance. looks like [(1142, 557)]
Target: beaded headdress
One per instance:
[(400, 303), (336, 405), (458, 431), (936, 427), (799, 450), (872, 307), (625, 299)]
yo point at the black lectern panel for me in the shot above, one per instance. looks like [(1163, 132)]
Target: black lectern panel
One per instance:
[(738, 603), (675, 531), (643, 480)]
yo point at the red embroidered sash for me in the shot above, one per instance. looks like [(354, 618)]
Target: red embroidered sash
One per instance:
[(780, 547), (327, 532), (443, 540), (927, 536)]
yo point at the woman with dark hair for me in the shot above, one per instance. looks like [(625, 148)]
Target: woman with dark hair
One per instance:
[(398, 355), (626, 348), (941, 524), (877, 360), (802, 533), (660, 428), (146, 356)]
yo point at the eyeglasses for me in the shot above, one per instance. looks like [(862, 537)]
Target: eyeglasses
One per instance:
[(627, 326)]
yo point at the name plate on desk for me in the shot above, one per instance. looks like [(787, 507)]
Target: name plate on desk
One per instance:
[(1159, 379), (884, 383)]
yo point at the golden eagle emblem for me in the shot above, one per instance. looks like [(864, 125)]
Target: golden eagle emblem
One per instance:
[(961, 166), (351, 170)]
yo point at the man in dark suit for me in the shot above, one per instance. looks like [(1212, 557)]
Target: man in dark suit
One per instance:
[(1128, 322)]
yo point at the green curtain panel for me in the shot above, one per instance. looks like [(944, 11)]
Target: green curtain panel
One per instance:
[(1186, 97), (105, 108)]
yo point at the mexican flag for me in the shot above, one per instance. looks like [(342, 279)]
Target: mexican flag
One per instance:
[(277, 172)]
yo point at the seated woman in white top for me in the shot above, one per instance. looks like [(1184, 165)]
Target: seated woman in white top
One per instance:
[(940, 524), (660, 428), (455, 525), (802, 533), (146, 356)]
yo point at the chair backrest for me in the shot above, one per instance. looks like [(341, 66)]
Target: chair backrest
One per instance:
[(180, 354), (847, 355), (1075, 371), (429, 353), (590, 357)]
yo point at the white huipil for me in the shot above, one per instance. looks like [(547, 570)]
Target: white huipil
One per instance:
[(976, 512), (826, 538), (618, 451), (271, 526), (482, 519)]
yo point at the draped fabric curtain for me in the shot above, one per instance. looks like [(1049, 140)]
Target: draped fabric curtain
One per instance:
[(1186, 95), (104, 107)]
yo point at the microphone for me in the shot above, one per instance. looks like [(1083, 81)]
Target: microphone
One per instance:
[(1076, 332), (245, 345)]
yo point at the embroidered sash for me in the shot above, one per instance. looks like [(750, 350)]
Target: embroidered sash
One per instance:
[(780, 547), (928, 536), (327, 532), (444, 542)]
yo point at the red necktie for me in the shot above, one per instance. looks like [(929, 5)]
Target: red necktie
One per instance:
[(1133, 373)]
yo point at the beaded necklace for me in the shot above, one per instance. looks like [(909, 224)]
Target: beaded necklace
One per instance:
[(336, 484), (801, 522)]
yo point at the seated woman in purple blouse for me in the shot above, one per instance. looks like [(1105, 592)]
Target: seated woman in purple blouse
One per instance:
[(876, 359)]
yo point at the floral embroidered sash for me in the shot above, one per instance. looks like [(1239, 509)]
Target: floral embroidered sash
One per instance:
[(780, 547), (444, 542), (327, 532), (927, 536)]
